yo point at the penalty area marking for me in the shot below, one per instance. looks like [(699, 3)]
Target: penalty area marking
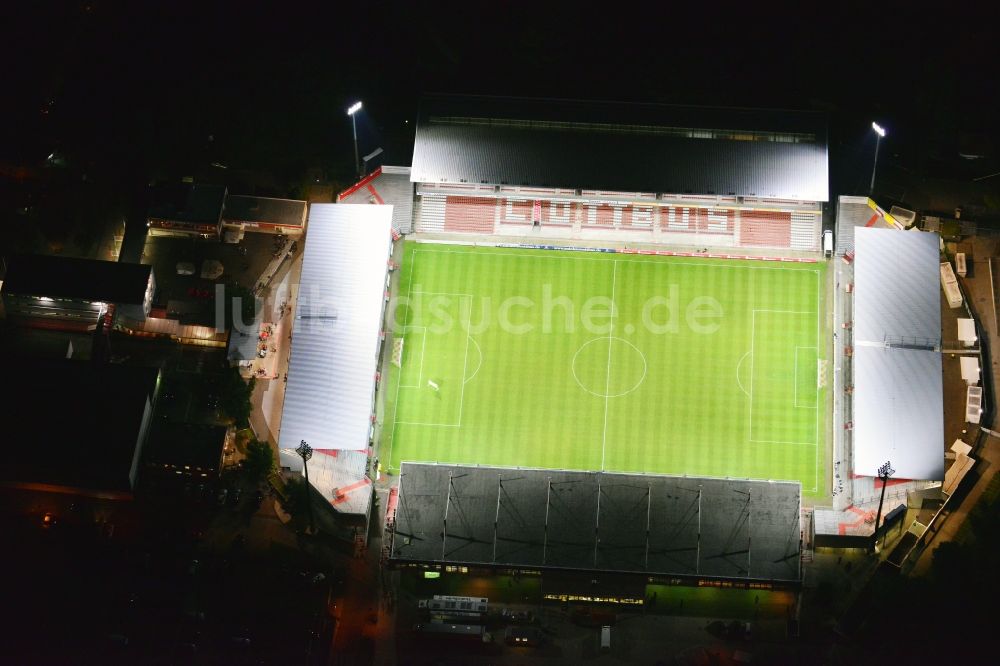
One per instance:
[(739, 365), (479, 350), (753, 337)]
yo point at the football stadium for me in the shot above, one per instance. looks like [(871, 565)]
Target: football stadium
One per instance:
[(601, 338)]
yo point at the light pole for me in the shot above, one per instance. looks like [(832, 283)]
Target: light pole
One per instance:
[(880, 131), (305, 452), (884, 472), (354, 128)]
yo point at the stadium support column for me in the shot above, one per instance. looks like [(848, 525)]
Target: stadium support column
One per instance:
[(649, 509), (597, 522), (697, 562), (444, 523), (545, 535), (749, 527), (496, 518), (884, 472)]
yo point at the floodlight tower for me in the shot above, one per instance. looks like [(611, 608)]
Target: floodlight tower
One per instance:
[(884, 472), (880, 132), (354, 108), (306, 452)]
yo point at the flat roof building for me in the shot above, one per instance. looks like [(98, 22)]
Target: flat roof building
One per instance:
[(71, 293), (265, 214), (87, 426), (186, 209)]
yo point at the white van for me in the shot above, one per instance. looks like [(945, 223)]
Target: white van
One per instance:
[(605, 638), (828, 243)]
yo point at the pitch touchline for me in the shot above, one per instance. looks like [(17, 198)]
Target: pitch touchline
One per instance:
[(395, 405), (653, 260)]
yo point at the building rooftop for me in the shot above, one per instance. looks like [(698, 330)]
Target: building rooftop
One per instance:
[(197, 446), (84, 422), (69, 277), (622, 147), (187, 203), (256, 210)]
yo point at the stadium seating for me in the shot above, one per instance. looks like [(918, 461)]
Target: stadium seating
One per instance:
[(469, 214), (765, 229)]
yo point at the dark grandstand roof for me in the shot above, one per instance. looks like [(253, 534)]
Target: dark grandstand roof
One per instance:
[(180, 444), (69, 277), (676, 526), (187, 203), (621, 147), (287, 212), (82, 421)]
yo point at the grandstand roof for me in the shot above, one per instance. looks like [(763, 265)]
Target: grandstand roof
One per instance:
[(335, 335), (897, 290), (621, 147), (898, 398), (516, 517)]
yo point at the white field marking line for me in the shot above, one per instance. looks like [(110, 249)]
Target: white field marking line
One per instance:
[(395, 405), (819, 341), (468, 324), (738, 365), (480, 350), (753, 328), (776, 441), (607, 382), (423, 344), (465, 366), (436, 425), (653, 260), (446, 293), (576, 377), (796, 385)]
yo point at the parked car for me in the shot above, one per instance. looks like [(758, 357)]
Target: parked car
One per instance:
[(234, 497)]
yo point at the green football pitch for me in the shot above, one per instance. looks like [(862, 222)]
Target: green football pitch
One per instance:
[(597, 361)]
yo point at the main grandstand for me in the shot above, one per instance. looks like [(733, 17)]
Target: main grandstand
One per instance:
[(624, 303)]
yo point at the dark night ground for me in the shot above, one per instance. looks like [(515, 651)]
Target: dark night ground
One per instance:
[(126, 94)]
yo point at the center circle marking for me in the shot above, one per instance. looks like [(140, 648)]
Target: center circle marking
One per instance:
[(608, 389)]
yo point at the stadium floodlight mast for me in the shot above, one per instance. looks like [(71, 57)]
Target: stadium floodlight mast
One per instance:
[(884, 472), (306, 452), (354, 108), (880, 132)]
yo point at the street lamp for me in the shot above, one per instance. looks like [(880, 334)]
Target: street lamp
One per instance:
[(354, 127), (884, 472), (305, 452), (880, 131)]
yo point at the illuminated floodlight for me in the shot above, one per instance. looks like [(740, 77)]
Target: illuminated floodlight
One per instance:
[(875, 126), (354, 129)]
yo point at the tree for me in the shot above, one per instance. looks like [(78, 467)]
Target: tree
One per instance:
[(235, 396), (296, 497), (260, 460)]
